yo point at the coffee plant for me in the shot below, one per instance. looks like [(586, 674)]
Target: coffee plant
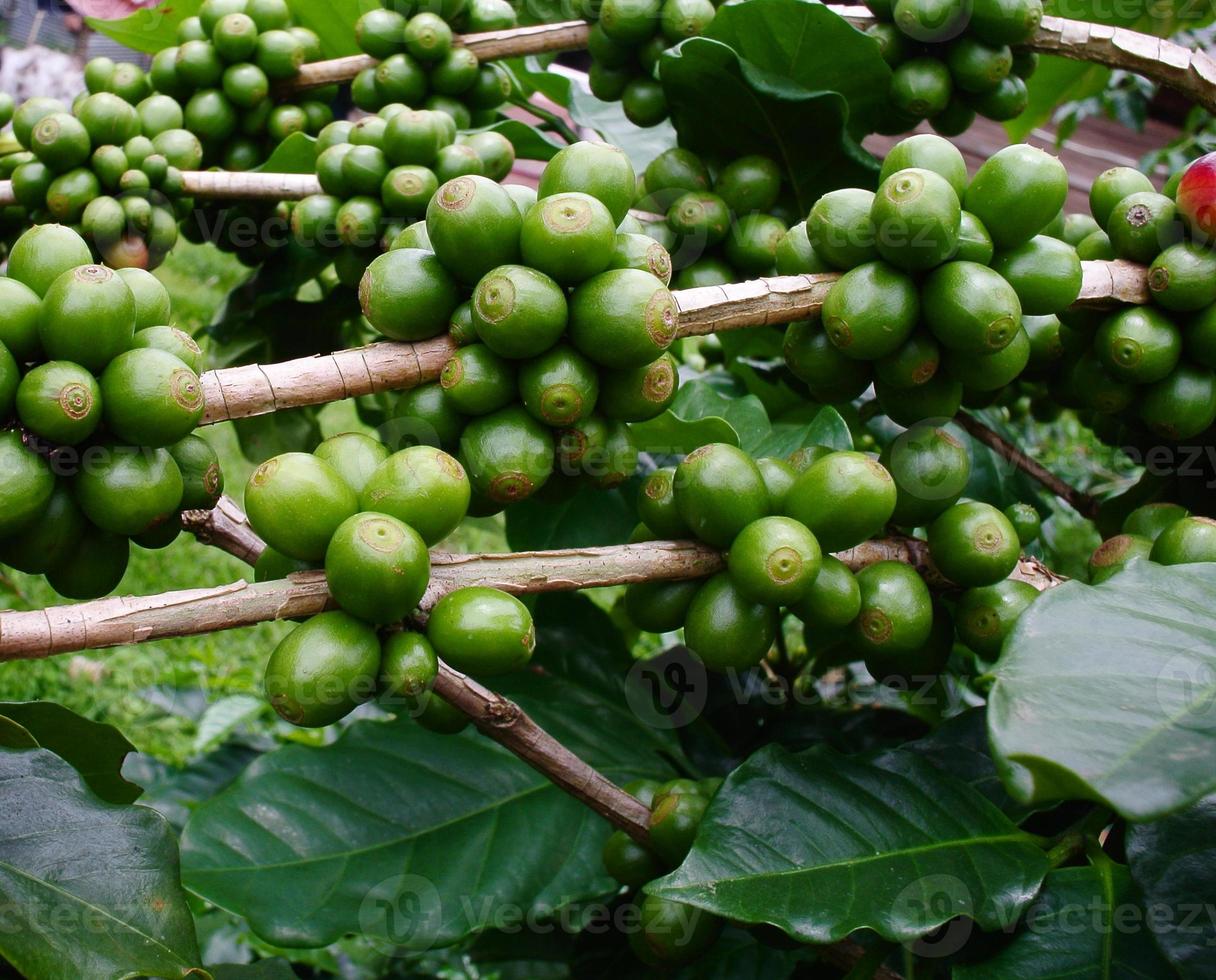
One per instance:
[(714, 574)]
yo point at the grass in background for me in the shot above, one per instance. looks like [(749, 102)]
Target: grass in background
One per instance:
[(153, 692)]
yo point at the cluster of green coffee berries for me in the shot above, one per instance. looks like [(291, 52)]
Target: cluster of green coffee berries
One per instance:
[(676, 808), (110, 167), (626, 43), (100, 396), (1154, 366), (951, 290), (720, 228), (1162, 532), (563, 323), (421, 65), (378, 176), (223, 70), (779, 522), (951, 60), (368, 518)]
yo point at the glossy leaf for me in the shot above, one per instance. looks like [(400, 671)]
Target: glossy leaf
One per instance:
[(413, 838), (175, 792), (810, 45), (959, 746), (94, 750), (149, 29), (89, 889), (745, 415), (587, 518), (1087, 924), (1109, 693), (1173, 860), (826, 428), (767, 115), (819, 844), (671, 434)]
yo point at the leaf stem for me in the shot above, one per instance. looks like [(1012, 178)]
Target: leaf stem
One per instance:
[(1082, 503), (555, 122)]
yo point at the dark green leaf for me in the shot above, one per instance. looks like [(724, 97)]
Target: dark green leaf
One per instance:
[(1087, 924), (1109, 693), (959, 746), (745, 415), (672, 435), (15, 736), (176, 792), (589, 518), (778, 119), (295, 155), (1173, 860), (826, 428), (809, 45), (413, 838), (819, 845), (754, 356), (150, 29), (94, 750), (88, 889), (577, 640)]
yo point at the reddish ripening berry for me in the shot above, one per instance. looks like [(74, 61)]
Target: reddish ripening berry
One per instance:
[(1197, 197)]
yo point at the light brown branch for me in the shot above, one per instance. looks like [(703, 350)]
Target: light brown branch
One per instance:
[(239, 392), (121, 620), (508, 724), (239, 186), (1082, 503), (225, 527), (253, 389), (756, 303), (488, 46)]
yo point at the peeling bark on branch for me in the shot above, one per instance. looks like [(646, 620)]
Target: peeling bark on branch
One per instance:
[(253, 389), (1193, 73), (249, 186), (488, 46), (240, 392), (225, 527), (138, 619)]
